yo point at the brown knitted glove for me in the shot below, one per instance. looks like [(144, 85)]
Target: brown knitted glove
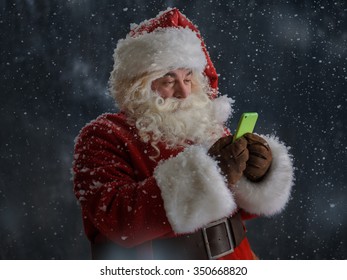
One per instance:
[(231, 157), (260, 157)]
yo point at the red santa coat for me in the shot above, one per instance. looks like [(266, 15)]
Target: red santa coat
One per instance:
[(130, 199)]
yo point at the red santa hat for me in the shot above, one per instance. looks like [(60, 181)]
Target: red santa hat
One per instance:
[(168, 41)]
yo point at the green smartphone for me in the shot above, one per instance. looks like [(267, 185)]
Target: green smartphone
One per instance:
[(246, 124)]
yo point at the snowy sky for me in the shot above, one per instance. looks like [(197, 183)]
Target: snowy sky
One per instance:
[(286, 60)]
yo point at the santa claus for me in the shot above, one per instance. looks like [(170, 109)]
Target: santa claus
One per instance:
[(163, 179)]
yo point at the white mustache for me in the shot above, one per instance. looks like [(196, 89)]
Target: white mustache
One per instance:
[(176, 104)]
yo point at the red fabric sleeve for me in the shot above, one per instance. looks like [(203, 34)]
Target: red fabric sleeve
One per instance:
[(119, 200)]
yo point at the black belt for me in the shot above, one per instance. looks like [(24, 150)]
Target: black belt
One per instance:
[(216, 240)]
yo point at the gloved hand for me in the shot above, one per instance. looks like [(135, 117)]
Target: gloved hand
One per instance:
[(260, 157), (231, 157)]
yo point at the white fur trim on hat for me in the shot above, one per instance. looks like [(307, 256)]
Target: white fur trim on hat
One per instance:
[(270, 195), (163, 49), (193, 190)]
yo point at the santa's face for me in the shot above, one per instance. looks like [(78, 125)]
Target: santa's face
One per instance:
[(176, 83), (175, 109)]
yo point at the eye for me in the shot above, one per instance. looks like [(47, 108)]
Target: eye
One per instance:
[(169, 82), (187, 81)]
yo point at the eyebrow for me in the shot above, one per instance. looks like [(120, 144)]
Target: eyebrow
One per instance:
[(173, 75)]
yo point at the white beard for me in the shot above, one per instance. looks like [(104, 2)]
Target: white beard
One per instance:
[(181, 122)]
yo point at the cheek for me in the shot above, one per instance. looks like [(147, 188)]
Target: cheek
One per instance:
[(154, 86), (164, 92)]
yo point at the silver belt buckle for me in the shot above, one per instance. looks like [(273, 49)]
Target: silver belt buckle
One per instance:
[(229, 238)]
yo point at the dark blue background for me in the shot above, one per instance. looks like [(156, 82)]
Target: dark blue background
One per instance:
[(284, 59)]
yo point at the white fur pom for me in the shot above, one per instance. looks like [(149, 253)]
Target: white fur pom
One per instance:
[(271, 195), (193, 190), (223, 108)]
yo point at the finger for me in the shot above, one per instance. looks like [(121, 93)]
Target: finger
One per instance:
[(256, 167), (237, 167), (243, 156), (238, 146), (241, 142), (254, 138), (256, 171), (241, 160), (252, 173), (242, 167), (224, 141), (259, 151), (257, 162), (220, 144)]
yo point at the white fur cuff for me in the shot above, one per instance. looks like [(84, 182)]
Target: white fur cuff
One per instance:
[(271, 195), (193, 190)]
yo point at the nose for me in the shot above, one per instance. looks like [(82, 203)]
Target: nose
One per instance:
[(182, 90)]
